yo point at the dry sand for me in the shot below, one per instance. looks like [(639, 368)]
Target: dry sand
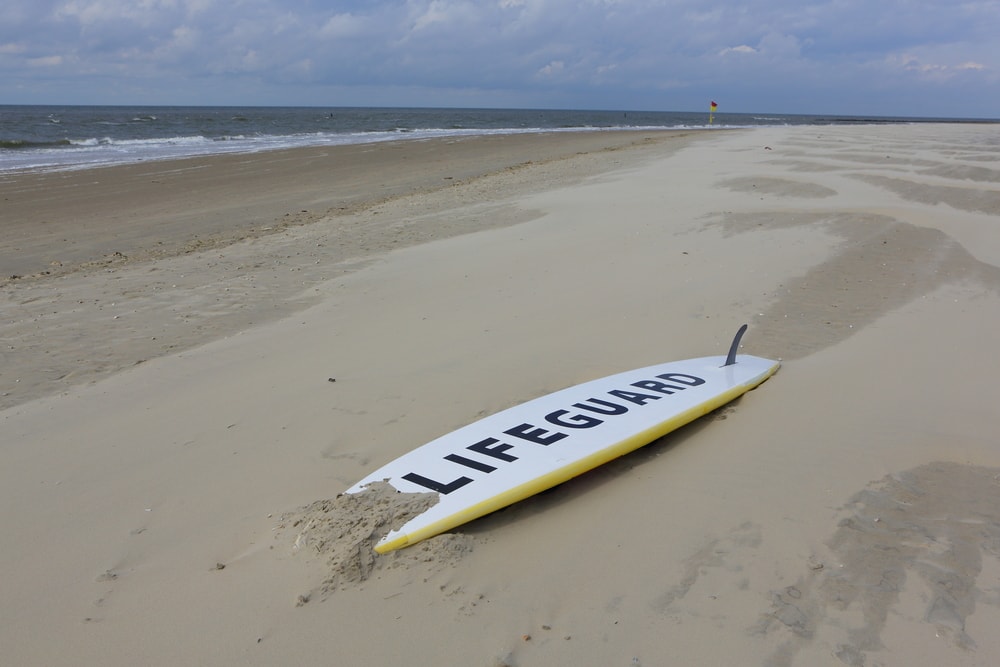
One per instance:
[(184, 510)]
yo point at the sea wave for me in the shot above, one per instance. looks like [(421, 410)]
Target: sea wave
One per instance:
[(104, 150), (23, 144), (157, 141)]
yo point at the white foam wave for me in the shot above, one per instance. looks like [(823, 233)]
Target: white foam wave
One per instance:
[(104, 151)]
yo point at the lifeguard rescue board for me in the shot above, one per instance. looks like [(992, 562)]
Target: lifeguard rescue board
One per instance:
[(531, 447)]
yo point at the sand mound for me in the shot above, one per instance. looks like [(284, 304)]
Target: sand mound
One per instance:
[(342, 532)]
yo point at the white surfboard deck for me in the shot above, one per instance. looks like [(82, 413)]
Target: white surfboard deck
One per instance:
[(526, 449)]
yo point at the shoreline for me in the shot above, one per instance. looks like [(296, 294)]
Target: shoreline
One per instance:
[(59, 222)]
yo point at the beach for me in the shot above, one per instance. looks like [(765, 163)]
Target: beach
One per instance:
[(200, 355)]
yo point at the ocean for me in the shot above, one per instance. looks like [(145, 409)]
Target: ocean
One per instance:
[(54, 138)]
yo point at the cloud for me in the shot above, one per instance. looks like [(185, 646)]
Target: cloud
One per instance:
[(341, 26), (436, 12), (911, 63), (553, 68), (781, 45), (12, 48), (45, 61), (600, 53), (741, 49)]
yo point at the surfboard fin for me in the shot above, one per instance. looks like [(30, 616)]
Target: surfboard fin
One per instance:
[(731, 359)]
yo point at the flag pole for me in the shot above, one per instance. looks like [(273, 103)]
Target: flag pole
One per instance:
[(711, 112)]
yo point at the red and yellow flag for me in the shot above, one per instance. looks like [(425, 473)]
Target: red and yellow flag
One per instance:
[(714, 105)]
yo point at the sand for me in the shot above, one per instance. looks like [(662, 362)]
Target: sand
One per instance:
[(184, 510), (233, 240)]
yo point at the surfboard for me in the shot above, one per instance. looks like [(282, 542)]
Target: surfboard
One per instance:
[(519, 452)]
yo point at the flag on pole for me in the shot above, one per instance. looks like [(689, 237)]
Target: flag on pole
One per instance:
[(714, 105)]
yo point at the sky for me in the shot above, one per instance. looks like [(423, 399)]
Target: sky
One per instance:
[(934, 58)]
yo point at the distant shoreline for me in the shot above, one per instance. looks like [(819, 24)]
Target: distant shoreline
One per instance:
[(64, 138)]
